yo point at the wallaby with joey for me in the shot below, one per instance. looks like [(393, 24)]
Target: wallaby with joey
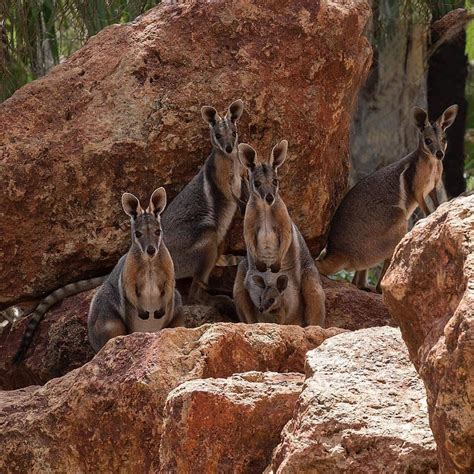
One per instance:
[(373, 217), (274, 243), (197, 221), (275, 299), (139, 294)]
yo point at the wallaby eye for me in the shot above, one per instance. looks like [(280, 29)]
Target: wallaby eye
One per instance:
[(271, 300), (138, 234), (234, 134), (218, 136), (428, 141), (275, 182), (257, 183), (444, 140), (157, 231)]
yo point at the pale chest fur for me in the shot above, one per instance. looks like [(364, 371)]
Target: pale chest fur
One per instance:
[(268, 241), (427, 177)]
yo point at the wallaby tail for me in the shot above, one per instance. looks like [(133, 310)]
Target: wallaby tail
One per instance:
[(46, 303)]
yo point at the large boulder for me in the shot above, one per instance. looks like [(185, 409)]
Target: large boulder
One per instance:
[(362, 409), (107, 416), (60, 343), (227, 425), (123, 113), (429, 289)]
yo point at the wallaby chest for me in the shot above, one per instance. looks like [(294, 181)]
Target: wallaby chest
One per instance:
[(428, 173)]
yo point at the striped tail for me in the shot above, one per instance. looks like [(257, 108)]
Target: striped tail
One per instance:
[(46, 303), (229, 260)]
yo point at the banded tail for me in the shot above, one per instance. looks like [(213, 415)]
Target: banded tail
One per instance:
[(46, 303)]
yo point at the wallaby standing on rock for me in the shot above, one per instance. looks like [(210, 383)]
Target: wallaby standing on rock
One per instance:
[(139, 295), (197, 220), (274, 242), (373, 216)]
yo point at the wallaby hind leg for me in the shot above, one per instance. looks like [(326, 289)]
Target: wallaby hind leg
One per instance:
[(386, 263), (104, 328), (313, 299), (331, 263), (246, 311), (360, 278), (198, 292)]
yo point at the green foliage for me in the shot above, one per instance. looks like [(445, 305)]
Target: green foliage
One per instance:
[(37, 34)]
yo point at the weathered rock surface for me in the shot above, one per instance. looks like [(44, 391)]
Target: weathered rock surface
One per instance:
[(350, 308), (429, 289), (61, 344), (107, 415), (122, 113), (227, 425), (362, 409)]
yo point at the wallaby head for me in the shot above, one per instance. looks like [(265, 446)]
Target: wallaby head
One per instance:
[(263, 176), (146, 224), (270, 297), (224, 135), (432, 136)]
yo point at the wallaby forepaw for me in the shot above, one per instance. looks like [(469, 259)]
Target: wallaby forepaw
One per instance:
[(275, 267), (261, 267)]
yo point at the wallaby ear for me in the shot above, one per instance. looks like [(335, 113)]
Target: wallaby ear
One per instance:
[(421, 117), (282, 283), (259, 281), (448, 117), (209, 114), (157, 201), (247, 156), (235, 110), (131, 205), (279, 154)]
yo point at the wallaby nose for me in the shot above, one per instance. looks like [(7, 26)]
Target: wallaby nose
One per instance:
[(439, 154), (228, 148), (269, 198), (150, 250)]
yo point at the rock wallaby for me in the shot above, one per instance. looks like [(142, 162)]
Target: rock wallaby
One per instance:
[(373, 216), (197, 220), (139, 295), (274, 243)]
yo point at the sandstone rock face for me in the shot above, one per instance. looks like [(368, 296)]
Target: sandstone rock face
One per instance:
[(362, 409), (123, 113), (59, 346), (350, 308), (60, 343), (429, 289), (108, 414), (227, 425)]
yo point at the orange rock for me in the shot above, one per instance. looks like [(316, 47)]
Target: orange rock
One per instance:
[(362, 409), (107, 415), (227, 425), (123, 113), (429, 290)]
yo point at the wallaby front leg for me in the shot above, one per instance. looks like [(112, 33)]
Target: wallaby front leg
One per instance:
[(313, 299), (422, 203), (386, 263), (434, 197)]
